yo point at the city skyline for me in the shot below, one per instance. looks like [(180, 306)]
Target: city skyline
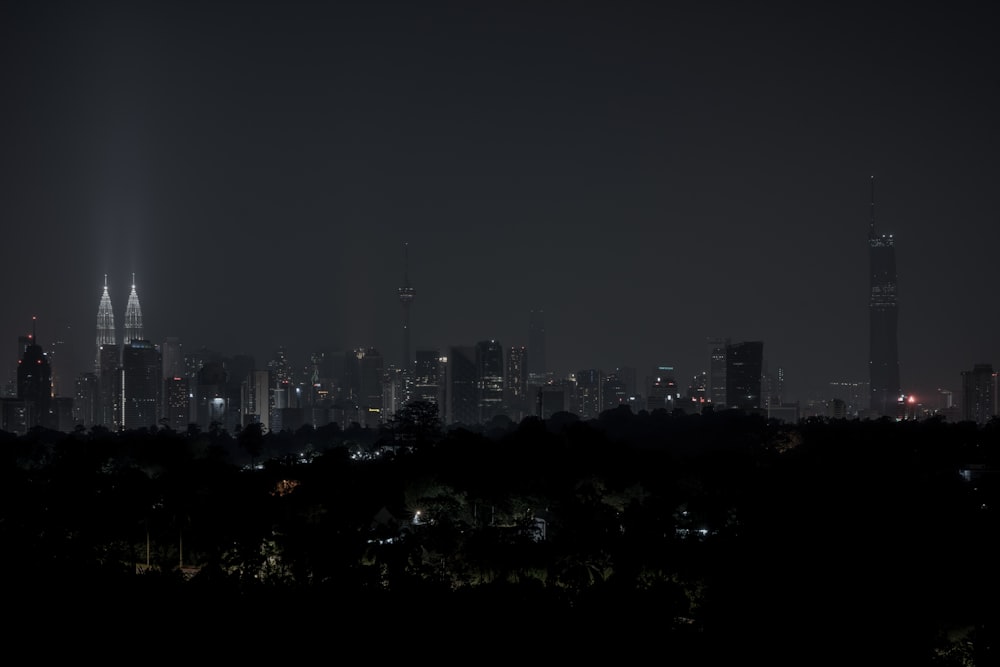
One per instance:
[(650, 177)]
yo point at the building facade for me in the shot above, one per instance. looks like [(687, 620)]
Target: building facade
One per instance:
[(141, 385), (883, 359), (979, 393), (744, 364)]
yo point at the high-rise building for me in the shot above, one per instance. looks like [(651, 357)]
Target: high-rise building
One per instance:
[(172, 353), (516, 383), (364, 377), (744, 364), (176, 402), (406, 294), (462, 397), (87, 400), (662, 391), (142, 384), (34, 385), (427, 380), (589, 393), (536, 344), (105, 325), (883, 359), (258, 398), (717, 371), (614, 392), (133, 316), (697, 392), (979, 393), (109, 382), (489, 379)]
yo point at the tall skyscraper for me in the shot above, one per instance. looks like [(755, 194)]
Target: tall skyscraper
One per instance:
[(744, 364), (427, 380), (516, 383), (364, 371), (172, 353), (717, 371), (34, 384), (615, 391), (86, 400), (662, 391), (406, 294), (489, 379), (589, 393), (883, 359), (109, 382), (979, 393), (460, 387), (105, 326), (176, 403), (142, 384), (133, 316)]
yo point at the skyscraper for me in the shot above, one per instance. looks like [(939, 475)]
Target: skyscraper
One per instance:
[(744, 363), (460, 386), (589, 393), (133, 316), (717, 371), (883, 359), (406, 294), (105, 325), (489, 379), (979, 393), (662, 391), (427, 384), (142, 384), (34, 385), (516, 382)]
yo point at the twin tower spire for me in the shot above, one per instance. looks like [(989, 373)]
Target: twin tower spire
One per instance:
[(106, 320)]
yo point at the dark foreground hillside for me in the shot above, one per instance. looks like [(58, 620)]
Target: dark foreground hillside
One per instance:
[(707, 539)]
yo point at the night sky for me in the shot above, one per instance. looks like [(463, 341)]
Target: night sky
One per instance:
[(649, 175)]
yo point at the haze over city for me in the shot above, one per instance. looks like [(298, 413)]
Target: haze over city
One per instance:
[(649, 176)]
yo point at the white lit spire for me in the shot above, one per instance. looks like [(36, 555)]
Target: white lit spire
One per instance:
[(133, 316), (105, 325)]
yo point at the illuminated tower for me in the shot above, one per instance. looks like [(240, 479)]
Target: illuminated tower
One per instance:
[(883, 359), (105, 326), (133, 316), (406, 294)]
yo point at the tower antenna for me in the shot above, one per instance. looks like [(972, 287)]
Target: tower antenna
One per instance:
[(406, 264), (871, 225)]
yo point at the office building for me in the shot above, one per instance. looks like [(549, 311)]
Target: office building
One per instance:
[(717, 371), (462, 396), (34, 385), (744, 364), (883, 360), (979, 391), (142, 385), (489, 380)]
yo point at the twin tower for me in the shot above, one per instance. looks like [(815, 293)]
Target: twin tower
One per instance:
[(106, 333)]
